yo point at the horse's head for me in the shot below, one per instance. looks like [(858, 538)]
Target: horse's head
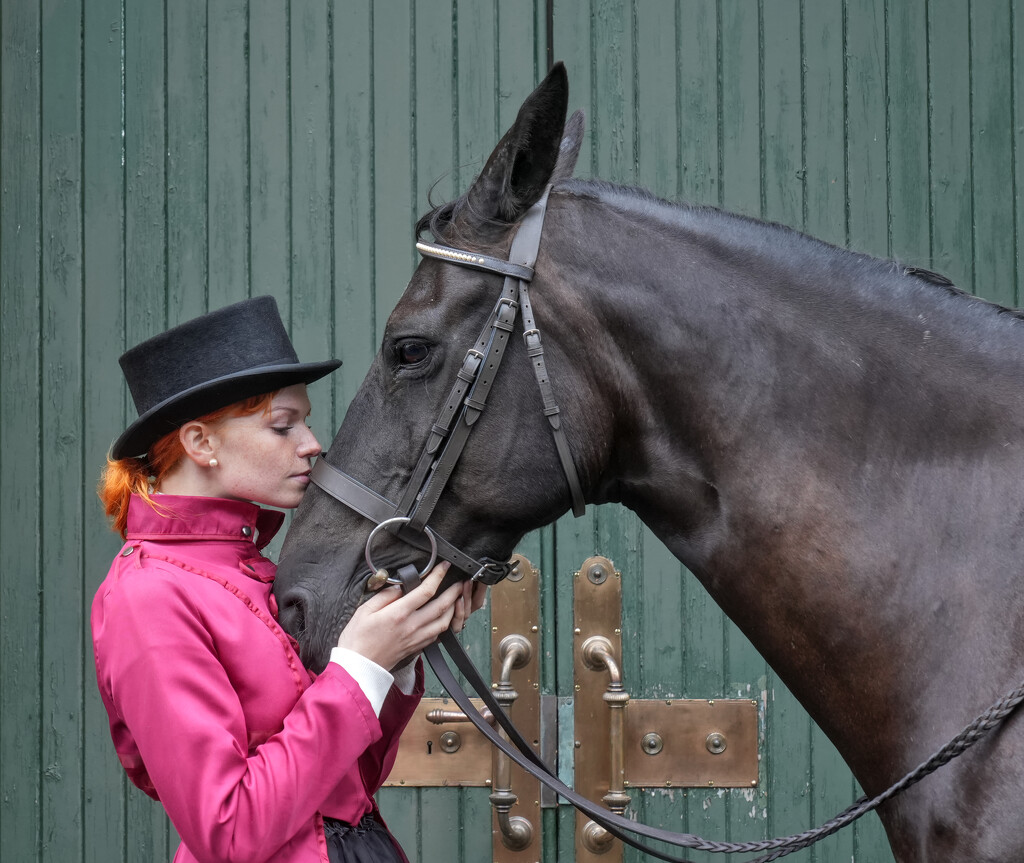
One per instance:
[(508, 478)]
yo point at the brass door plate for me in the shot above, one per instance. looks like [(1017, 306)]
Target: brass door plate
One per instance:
[(515, 611), (597, 612), (424, 759), (691, 743)]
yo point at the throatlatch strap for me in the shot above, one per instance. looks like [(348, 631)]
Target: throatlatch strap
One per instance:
[(535, 351)]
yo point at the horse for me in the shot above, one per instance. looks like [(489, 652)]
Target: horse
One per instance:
[(833, 444)]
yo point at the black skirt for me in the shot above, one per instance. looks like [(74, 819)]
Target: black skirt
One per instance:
[(365, 842)]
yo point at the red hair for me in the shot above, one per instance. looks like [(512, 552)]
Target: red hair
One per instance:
[(127, 476)]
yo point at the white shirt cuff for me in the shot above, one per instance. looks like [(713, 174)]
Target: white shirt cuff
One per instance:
[(405, 678), (372, 679)]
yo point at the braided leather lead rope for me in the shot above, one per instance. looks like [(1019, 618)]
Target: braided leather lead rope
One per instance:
[(976, 731)]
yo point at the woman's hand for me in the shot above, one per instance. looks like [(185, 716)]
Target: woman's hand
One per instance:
[(390, 626), (472, 598)]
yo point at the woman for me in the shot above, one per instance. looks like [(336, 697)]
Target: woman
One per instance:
[(211, 711)]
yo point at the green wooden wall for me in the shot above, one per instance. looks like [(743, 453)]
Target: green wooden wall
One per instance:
[(162, 157)]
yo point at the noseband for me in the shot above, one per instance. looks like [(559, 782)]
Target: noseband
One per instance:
[(460, 412)]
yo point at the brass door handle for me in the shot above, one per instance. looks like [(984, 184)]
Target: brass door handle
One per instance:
[(440, 716), (598, 655), (514, 651)]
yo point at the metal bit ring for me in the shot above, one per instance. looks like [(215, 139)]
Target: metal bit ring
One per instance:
[(401, 519)]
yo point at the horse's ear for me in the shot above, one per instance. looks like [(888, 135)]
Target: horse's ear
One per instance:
[(516, 173), (569, 151)]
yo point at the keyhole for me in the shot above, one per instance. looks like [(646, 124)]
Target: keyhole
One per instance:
[(430, 746)]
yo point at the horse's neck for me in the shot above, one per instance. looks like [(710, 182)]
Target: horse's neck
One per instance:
[(785, 434)]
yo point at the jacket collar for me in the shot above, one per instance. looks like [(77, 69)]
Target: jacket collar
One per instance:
[(207, 518)]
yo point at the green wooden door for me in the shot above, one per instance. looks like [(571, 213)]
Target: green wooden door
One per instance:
[(162, 157)]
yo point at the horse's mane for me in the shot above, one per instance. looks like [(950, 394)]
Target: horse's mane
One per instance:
[(453, 222)]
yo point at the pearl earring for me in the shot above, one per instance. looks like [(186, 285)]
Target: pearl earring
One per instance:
[(213, 462)]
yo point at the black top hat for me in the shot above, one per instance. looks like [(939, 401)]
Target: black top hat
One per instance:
[(208, 363)]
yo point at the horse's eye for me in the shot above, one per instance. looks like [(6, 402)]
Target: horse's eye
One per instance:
[(411, 353)]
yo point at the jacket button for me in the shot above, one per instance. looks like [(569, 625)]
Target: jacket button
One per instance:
[(128, 551), (246, 531)]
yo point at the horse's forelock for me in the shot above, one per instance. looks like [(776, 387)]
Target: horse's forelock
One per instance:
[(454, 223)]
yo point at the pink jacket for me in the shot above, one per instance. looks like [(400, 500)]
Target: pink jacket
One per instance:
[(211, 711)]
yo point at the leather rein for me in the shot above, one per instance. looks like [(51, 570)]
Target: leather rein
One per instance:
[(408, 519)]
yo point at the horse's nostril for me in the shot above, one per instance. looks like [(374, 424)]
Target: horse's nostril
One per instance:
[(292, 611)]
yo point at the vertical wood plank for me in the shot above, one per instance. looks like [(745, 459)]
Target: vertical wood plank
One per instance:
[(187, 152), (228, 152), (908, 132), (437, 106), (62, 625), (517, 46), (698, 93), (145, 135), (613, 51), (571, 34), (393, 194), (657, 98), (20, 387), (103, 339), (992, 151), (476, 88), (355, 326), (740, 109), (401, 811), (867, 175), (312, 155), (270, 155), (949, 132), (824, 121)]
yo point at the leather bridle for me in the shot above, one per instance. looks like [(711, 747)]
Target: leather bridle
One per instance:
[(462, 409)]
